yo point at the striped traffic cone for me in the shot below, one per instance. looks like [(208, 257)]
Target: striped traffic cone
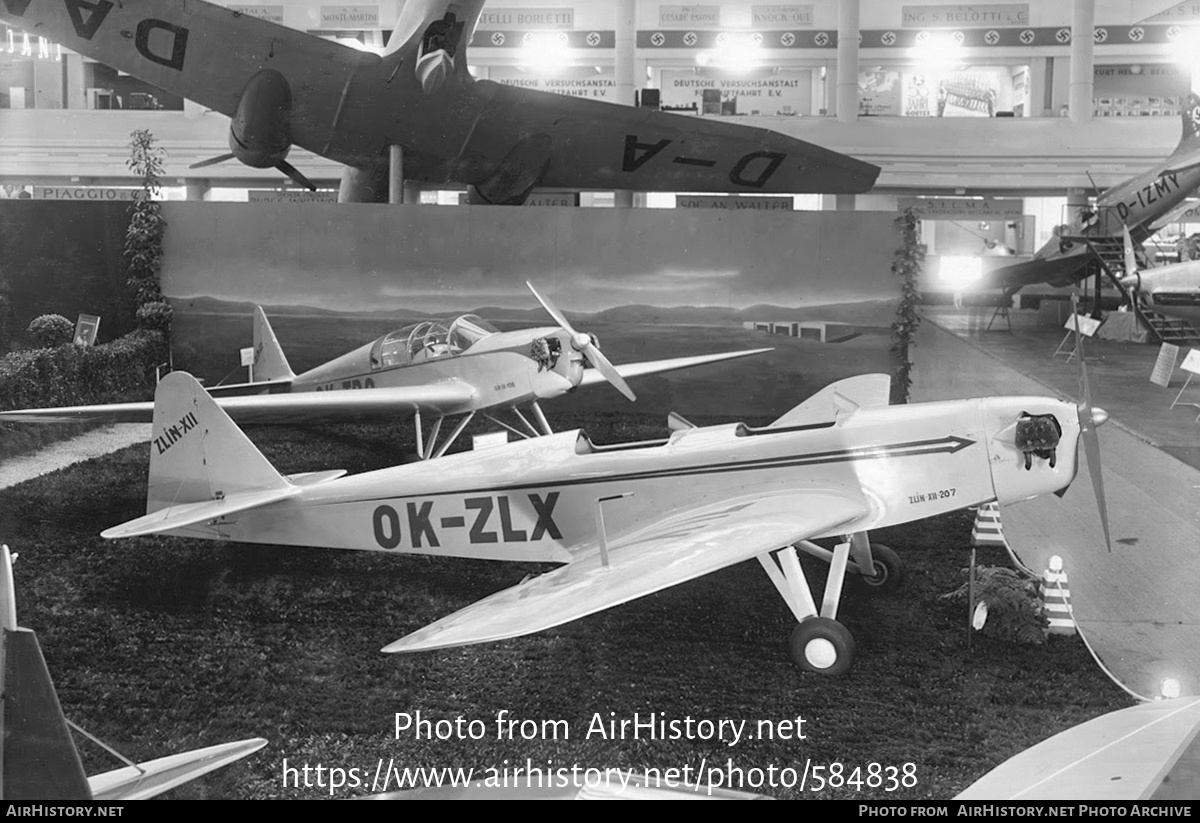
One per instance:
[(987, 530), (1056, 598)]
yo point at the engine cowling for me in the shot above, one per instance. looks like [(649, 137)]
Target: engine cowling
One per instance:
[(260, 132), (515, 176)]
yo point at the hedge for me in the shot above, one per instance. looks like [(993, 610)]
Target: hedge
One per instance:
[(72, 375)]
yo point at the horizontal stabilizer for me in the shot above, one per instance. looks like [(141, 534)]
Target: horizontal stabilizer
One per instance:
[(1123, 755), (592, 376), (677, 549), (862, 391), (189, 514), (293, 408), (280, 386), (313, 478), (152, 778)]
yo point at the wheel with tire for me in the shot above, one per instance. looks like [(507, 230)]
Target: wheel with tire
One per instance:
[(888, 570), (822, 646)]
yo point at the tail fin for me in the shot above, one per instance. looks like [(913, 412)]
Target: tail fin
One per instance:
[(202, 467), (837, 399), (1190, 114), (269, 360), (38, 758)]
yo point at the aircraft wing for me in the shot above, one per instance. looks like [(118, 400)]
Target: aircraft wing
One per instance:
[(591, 376), (1123, 755), (298, 407), (203, 52), (1057, 270), (154, 777), (597, 145), (679, 548)]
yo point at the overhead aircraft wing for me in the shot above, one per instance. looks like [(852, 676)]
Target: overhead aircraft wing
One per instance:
[(205, 53), (596, 145), (591, 376), (1059, 270), (1123, 755), (679, 548), (154, 777), (299, 407)]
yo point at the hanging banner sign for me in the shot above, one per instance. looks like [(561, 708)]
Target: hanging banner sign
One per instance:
[(553, 198), (765, 17), (732, 202), (272, 13), (547, 19), (969, 15), (963, 208), (1178, 13), (787, 92), (575, 81), (349, 17), (95, 193), (287, 196), (689, 15)]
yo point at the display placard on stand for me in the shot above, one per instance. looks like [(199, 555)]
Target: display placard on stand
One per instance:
[(1164, 365)]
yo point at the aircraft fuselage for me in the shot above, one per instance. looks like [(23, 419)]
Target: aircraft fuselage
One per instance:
[(538, 500)]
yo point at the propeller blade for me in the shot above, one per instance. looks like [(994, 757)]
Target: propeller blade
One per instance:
[(585, 344), (1089, 418), (558, 316), (212, 161), (608, 370), (291, 171)]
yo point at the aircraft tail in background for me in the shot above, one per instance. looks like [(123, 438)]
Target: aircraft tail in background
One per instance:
[(270, 363)]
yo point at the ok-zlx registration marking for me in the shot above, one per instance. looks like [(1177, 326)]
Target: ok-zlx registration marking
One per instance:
[(423, 526)]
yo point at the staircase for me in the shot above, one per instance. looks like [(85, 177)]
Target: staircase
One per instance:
[(1109, 252)]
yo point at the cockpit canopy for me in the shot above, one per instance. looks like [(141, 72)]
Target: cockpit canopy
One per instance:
[(429, 339)]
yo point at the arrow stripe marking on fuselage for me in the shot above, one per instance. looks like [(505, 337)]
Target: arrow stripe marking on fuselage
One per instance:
[(949, 444)]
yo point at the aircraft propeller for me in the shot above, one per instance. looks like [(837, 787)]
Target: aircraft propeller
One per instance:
[(586, 344), (1089, 418), (284, 166)]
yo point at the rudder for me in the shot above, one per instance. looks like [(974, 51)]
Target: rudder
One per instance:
[(198, 454), (270, 363)]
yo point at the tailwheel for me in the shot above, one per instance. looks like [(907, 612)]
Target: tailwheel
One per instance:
[(888, 570), (822, 646)]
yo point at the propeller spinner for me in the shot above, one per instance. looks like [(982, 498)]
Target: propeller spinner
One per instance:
[(585, 344)]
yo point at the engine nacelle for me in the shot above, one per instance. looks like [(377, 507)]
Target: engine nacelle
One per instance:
[(515, 176), (260, 132)]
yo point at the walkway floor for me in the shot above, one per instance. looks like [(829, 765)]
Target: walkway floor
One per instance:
[(1137, 606), (60, 455)]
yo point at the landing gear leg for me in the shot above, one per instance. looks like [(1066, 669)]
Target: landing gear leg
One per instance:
[(819, 644), (886, 569)]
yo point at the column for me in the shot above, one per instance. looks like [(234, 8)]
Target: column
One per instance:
[(1037, 106), (847, 58), (1083, 22), (395, 174), (76, 82), (625, 71)]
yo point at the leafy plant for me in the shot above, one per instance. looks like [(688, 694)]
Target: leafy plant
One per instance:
[(1014, 604), (906, 264), (51, 330), (144, 237)]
